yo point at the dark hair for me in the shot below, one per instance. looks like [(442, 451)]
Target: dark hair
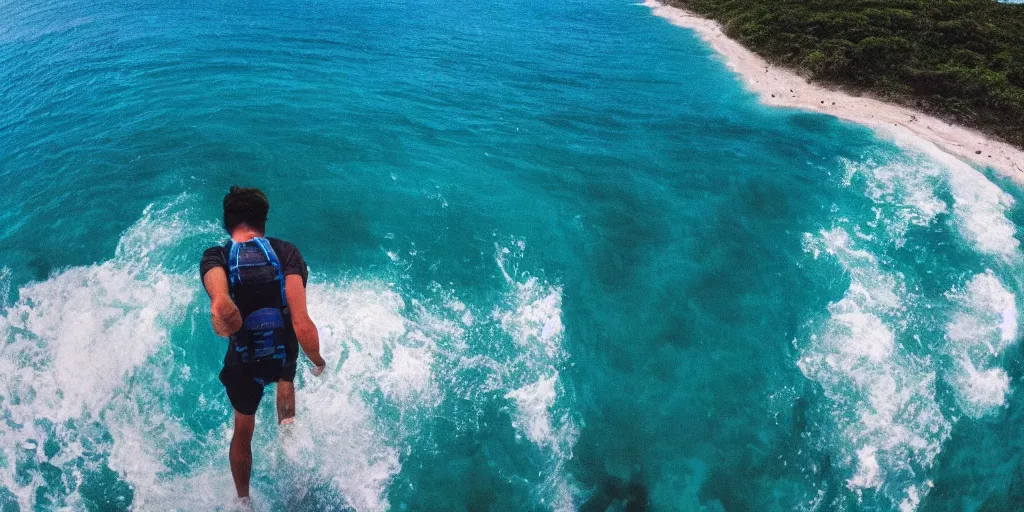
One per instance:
[(247, 206)]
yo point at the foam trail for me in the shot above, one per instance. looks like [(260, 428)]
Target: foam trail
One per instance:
[(355, 426), (904, 188), (983, 325), (887, 425), (886, 422), (376, 346), (118, 316), (533, 319), (979, 206), (906, 192), (70, 344)]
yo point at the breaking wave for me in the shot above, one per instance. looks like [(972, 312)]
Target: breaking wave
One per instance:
[(108, 374), (887, 423), (883, 346)]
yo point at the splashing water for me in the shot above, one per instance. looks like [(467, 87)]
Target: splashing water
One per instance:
[(560, 260), (873, 357)]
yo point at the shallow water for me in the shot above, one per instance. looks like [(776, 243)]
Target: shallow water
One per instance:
[(560, 260)]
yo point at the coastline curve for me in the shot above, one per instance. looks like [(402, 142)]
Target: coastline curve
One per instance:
[(781, 87)]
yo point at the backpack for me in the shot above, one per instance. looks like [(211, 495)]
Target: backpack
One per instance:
[(257, 288)]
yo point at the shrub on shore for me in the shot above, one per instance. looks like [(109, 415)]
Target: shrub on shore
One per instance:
[(961, 60)]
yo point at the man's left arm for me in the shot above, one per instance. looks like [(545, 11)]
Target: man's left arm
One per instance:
[(223, 312)]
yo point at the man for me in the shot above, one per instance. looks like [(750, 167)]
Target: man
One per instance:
[(257, 289)]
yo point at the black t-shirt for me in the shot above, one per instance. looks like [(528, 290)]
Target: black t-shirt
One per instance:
[(289, 256)]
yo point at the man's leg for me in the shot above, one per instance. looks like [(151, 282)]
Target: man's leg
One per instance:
[(285, 402), (241, 452)]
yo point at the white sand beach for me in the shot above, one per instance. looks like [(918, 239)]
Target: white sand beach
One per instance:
[(782, 87)]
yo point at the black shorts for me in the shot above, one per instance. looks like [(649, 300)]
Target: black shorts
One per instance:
[(244, 382)]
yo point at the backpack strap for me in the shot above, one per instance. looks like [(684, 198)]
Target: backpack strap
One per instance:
[(233, 276)]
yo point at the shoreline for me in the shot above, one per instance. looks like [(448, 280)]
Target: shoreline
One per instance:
[(781, 87)]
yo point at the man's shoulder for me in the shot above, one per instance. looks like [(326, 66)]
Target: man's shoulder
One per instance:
[(212, 257), (290, 257), (214, 250), (281, 245)]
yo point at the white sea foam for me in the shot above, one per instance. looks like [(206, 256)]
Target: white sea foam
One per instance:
[(380, 344), (156, 238), (885, 417), (533, 411), (374, 343), (355, 425), (868, 475), (913, 499), (533, 319), (983, 325), (70, 343), (92, 345), (143, 436), (907, 192), (906, 188), (112, 317), (888, 427), (979, 206)]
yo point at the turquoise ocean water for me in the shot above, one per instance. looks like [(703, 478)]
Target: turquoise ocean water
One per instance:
[(560, 260)]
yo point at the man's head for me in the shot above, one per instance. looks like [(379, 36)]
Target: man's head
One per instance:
[(247, 206)]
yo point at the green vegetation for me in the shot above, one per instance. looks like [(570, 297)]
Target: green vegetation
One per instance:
[(962, 60)]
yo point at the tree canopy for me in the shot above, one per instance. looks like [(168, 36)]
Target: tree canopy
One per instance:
[(961, 60)]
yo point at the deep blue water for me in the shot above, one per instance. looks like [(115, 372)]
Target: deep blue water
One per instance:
[(560, 260)]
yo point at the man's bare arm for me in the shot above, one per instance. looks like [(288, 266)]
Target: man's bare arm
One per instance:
[(305, 329), (223, 312)]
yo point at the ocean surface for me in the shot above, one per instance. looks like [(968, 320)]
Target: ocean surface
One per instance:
[(560, 260)]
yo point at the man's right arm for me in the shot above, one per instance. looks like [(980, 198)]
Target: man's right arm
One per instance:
[(223, 312), (305, 329)]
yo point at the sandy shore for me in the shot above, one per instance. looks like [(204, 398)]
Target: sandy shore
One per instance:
[(782, 87)]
